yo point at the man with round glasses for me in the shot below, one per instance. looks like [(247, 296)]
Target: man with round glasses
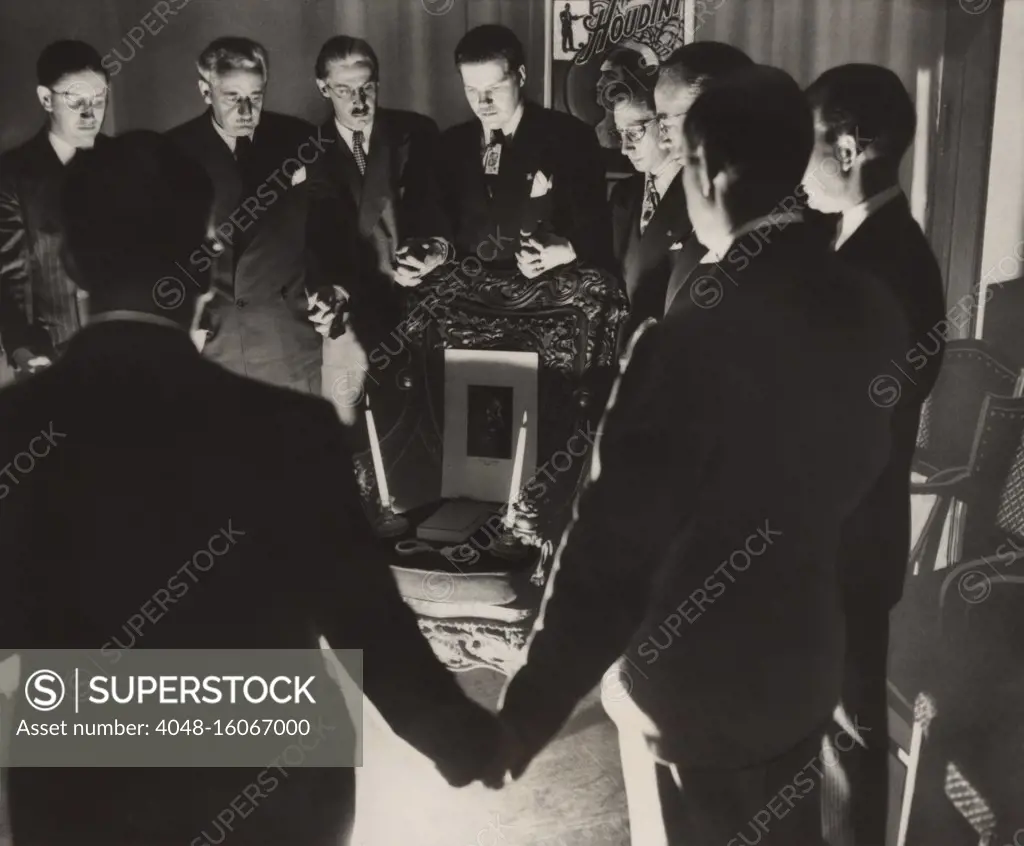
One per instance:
[(648, 208), (40, 307)]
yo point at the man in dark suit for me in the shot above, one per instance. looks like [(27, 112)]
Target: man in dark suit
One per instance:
[(258, 322), (135, 470), (701, 564), (39, 304), (865, 123), (681, 78), (648, 209), (521, 186), (368, 194)]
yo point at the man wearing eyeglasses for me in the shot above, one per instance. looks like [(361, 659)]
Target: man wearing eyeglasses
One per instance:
[(258, 322), (40, 307), (521, 186), (681, 79), (369, 194), (649, 208)]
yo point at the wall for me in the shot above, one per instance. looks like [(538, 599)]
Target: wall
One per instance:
[(807, 37), (1002, 257)]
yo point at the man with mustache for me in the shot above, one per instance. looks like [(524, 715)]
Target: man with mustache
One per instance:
[(681, 79), (258, 321), (521, 186), (368, 193), (39, 304)]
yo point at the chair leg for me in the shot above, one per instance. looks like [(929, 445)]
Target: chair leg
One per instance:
[(931, 533), (913, 759)]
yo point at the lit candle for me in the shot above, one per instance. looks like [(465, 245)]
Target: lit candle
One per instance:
[(378, 462), (517, 475)]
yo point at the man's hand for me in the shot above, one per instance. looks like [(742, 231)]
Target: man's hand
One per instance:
[(325, 306), (508, 763), (540, 253), (27, 361), (415, 259)]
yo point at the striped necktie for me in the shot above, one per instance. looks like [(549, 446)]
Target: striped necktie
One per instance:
[(358, 151), (650, 205)]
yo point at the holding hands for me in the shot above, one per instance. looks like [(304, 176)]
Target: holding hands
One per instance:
[(493, 754)]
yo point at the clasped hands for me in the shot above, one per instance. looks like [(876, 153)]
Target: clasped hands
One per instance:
[(539, 253), (509, 760), (416, 258), (503, 759), (325, 306)]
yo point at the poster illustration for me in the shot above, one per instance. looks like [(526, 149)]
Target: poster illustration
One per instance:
[(587, 37)]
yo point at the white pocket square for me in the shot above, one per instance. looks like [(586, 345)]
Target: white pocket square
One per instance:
[(678, 245), (541, 185), (299, 176)]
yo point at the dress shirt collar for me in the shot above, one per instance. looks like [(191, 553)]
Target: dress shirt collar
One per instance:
[(853, 218), (228, 139), (774, 219), (65, 151), (664, 175), (347, 135), (509, 128)]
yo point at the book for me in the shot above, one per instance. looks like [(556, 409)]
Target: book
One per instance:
[(455, 521)]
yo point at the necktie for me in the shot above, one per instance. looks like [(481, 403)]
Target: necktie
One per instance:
[(650, 205), (492, 159), (358, 151), (243, 150)]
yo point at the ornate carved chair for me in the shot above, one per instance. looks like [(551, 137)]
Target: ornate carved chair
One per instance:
[(475, 607)]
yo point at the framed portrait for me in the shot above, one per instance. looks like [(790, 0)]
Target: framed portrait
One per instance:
[(486, 393), (586, 37)]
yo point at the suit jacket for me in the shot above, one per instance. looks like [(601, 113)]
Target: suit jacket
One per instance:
[(561, 147), (702, 558), (891, 246), (356, 222), (645, 262), (684, 259), (140, 484), (258, 316), (38, 303)]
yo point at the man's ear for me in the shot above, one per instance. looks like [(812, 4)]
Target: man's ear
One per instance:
[(521, 75), (846, 152), (321, 86), (204, 89), (704, 178), (45, 96)]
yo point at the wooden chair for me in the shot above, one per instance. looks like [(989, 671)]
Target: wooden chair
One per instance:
[(961, 618), (971, 371)]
